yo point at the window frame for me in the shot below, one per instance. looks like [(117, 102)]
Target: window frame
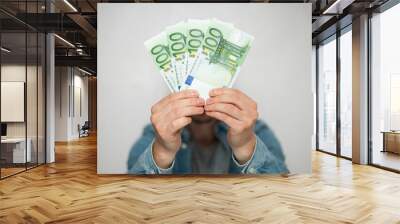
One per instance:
[(381, 9), (336, 36)]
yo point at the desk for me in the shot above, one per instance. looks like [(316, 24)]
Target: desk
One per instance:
[(391, 141), (15, 148)]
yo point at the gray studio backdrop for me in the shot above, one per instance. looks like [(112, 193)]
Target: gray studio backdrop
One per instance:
[(276, 73)]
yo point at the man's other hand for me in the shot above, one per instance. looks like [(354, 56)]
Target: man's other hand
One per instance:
[(239, 112), (168, 117)]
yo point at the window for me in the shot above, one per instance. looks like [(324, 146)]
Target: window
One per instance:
[(334, 138), (327, 96), (346, 93), (385, 89)]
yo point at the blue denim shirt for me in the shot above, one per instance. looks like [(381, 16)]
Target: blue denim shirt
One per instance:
[(267, 156)]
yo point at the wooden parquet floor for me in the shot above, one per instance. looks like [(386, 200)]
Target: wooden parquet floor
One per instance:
[(70, 191)]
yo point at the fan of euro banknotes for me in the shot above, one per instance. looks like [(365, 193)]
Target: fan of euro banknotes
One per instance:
[(199, 54)]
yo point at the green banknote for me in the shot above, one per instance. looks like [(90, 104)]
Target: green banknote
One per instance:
[(204, 70), (176, 36), (199, 54), (230, 55), (158, 48), (222, 53), (195, 36)]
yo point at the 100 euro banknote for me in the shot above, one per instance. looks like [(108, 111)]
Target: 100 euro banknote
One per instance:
[(199, 54), (158, 48), (176, 37), (223, 51), (195, 36)]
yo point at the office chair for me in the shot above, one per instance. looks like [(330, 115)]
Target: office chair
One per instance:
[(84, 130)]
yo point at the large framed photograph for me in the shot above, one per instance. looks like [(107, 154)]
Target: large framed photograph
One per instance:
[(204, 88)]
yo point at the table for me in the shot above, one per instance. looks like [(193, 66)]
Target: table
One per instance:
[(16, 147), (391, 141)]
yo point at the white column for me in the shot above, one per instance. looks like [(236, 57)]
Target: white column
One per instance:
[(50, 100), (63, 103), (50, 92), (360, 90)]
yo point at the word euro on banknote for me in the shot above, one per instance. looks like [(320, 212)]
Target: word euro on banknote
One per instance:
[(158, 48), (223, 51)]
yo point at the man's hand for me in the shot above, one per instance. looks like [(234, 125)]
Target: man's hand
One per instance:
[(168, 117), (239, 112)]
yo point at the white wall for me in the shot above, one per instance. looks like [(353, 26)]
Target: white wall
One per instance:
[(68, 81), (62, 80), (277, 72), (80, 83)]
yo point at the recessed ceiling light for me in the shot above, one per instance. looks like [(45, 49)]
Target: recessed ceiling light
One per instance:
[(65, 41), (84, 71), (70, 5), (337, 7), (5, 50)]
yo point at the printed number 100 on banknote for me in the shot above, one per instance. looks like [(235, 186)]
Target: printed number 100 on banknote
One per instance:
[(219, 59), (202, 54)]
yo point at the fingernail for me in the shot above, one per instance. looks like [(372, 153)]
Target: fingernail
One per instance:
[(215, 91), (212, 92), (191, 91)]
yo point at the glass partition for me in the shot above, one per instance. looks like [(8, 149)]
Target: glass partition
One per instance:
[(32, 95), (22, 77), (14, 153), (41, 87)]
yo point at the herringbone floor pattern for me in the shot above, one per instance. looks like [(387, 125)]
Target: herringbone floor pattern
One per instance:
[(70, 191)]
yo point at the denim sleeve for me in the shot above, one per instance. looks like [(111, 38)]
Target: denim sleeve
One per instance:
[(141, 160), (267, 158)]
